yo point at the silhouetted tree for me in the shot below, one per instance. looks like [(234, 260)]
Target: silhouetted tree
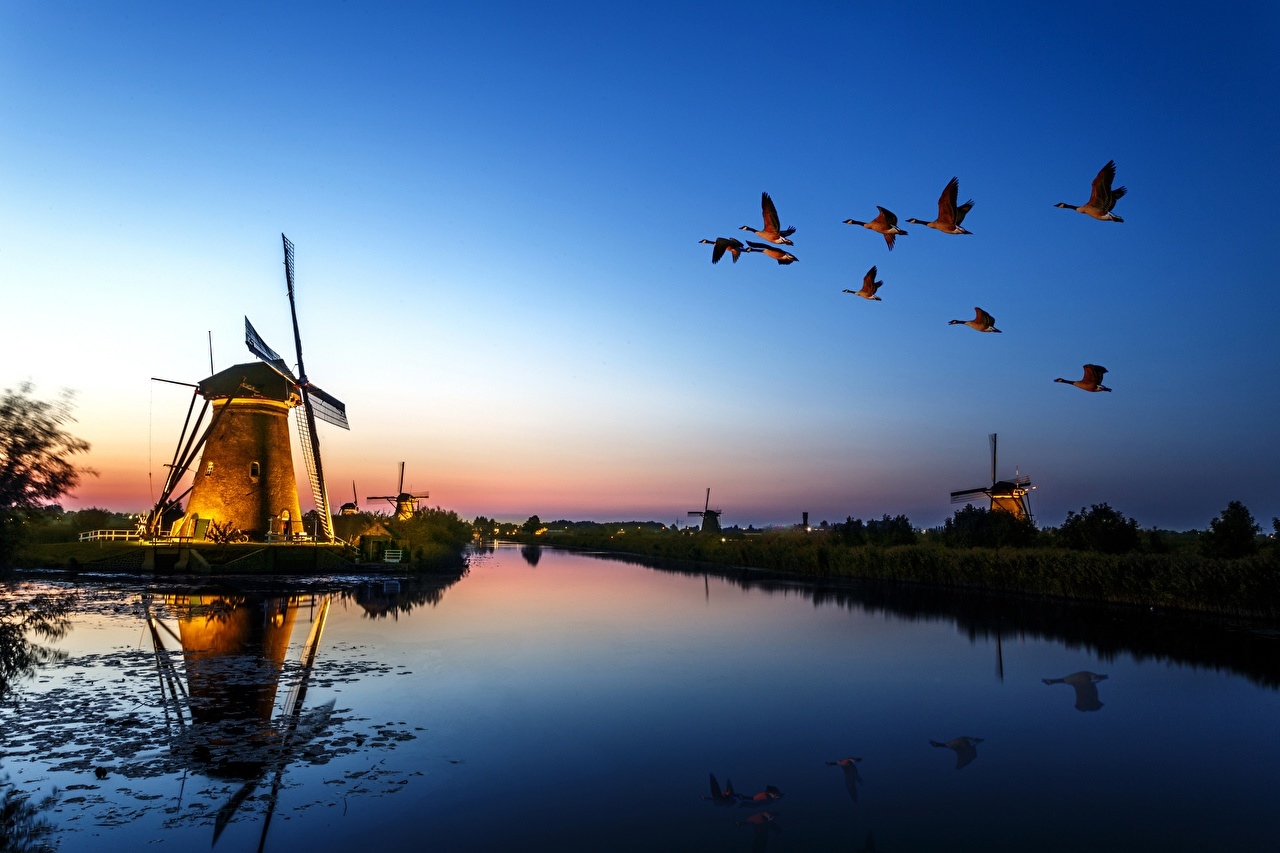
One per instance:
[(1232, 534), (531, 526), (977, 527), (35, 459), (891, 531), (1275, 535), (1100, 528), (852, 531)]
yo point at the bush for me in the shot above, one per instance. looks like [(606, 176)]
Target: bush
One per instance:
[(1100, 528), (1232, 535), (975, 527)]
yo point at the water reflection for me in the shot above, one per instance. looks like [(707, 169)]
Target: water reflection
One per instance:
[(722, 797), (849, 768), (762, 823), (1086, 687), (233, 648), (24, 824), (531, 553), (966, 749), (214, 690), (1240, 646)]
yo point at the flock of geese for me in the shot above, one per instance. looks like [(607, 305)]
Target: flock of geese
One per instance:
[(950, 219)]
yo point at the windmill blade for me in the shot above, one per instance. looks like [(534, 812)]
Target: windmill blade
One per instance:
[(957, 497), (259, 347), (708, 504), (311, 455), (400, 485), (327, 407), (992, 439), (293, 309)]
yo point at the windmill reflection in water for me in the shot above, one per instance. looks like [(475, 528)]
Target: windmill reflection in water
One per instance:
[(221, 719)]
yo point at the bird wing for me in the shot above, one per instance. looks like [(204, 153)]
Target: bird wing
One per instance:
[(885, 217), (963, 210), (1101, 192), (984, 318), (771, 223), (947, 202), (869, 281), (1094, 373), (718, 252)]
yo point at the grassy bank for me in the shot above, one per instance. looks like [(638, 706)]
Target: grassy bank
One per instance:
[(1247, 586)]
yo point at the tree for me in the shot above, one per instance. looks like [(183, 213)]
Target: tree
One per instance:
[(1100, 528), (531, 526), (1232, 534), (36, 464)]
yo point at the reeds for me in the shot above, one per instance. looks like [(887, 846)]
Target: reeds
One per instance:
[(1248, 586)]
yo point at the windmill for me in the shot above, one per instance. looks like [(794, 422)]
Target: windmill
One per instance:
[(353, 507), (1005, 495), (406, 503), (245, 477), (710, 517)]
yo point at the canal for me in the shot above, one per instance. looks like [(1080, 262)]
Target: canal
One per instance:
[(549, 700)]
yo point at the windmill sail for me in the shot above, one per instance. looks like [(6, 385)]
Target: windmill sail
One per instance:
[(306, 417), (259, 347)]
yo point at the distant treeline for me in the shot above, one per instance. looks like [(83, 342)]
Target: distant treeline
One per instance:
[(1096, 554)]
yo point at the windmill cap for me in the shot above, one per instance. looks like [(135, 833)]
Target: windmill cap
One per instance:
[(262, 382)]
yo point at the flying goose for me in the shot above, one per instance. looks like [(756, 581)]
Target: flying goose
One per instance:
[(949, 214), (732, 245), (982, 321), (886, 223), (1103, 198), (772, 230), (782, 256), (965, 747), (869, 286), (1092, 380)]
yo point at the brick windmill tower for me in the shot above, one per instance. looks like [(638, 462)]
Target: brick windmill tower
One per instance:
[(245, 477)]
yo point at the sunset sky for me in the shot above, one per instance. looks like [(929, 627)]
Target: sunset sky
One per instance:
[(497, 209)]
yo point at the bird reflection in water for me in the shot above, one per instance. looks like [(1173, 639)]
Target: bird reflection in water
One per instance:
[(762, 823), (1086, 687), (849, 768), (221, 719), (966, 749), (722, 797), (768, 795)]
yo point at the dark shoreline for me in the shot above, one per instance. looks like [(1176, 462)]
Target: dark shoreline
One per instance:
[(1246, 645)]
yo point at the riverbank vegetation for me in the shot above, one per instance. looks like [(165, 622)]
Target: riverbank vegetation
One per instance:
[(1095, 555)]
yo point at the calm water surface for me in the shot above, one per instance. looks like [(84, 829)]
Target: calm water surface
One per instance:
[(557, 701)]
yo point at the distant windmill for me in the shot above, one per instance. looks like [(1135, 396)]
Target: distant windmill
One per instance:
[(353, 507), (245, 478), (710, 517), (406, 503), (1005, 495)]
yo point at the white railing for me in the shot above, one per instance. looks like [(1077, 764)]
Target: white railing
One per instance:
[(117, 533)]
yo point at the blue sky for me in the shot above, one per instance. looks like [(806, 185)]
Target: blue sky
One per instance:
[(496, 210)]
